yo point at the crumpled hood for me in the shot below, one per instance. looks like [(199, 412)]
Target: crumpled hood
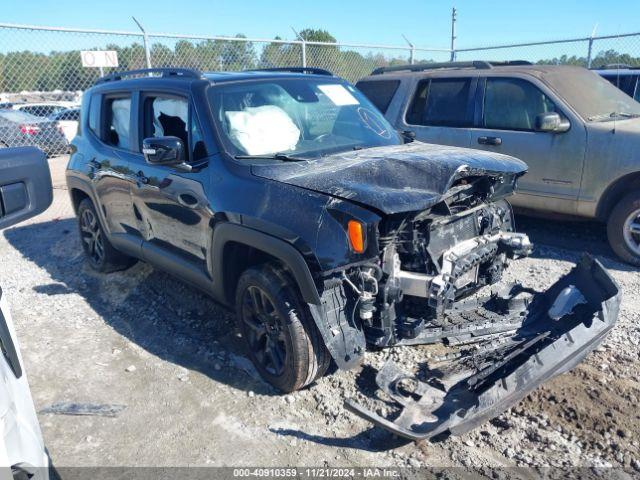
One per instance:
[(392, 179)]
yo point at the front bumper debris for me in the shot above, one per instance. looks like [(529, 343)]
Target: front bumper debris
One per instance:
[(558, 328)]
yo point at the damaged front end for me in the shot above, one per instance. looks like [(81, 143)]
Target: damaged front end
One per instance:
[(423, 288), (545, 334), (427, 263)]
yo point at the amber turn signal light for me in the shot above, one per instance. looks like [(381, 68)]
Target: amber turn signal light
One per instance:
[(356, 236)]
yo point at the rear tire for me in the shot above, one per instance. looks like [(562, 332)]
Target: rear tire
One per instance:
[(102, 256), (280, 335), (623, 228)]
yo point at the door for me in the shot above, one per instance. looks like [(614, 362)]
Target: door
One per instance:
[(173, 208), (110, 121), (441, 111), (507, 124)]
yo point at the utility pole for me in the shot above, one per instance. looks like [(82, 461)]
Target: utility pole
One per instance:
[(454, 14)]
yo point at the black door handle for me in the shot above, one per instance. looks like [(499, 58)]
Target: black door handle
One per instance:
[(93, 163), (489, 140), (140, 178)]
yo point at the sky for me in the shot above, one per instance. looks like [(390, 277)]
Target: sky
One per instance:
[(425, 23)]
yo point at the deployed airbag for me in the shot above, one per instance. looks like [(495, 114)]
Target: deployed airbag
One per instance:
[(263, 130)]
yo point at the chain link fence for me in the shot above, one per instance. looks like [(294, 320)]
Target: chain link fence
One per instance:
[(42, 77), (590, 52)]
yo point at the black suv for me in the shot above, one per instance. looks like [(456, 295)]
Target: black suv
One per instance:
[(287, 195)]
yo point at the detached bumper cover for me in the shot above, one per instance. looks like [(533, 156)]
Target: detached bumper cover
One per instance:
[(559, 328)]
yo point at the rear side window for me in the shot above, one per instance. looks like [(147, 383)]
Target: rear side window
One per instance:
[(441, 102), (514, 104), (117, 121), (379, 92)]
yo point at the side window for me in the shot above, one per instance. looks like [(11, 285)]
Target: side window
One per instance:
[(636, 97), (166, 117), (514, 104), (117, 122), (379, 92), (441, 102)]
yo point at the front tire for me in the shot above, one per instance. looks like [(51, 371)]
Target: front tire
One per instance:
[(280, 336), (102, 256), (623, 228)]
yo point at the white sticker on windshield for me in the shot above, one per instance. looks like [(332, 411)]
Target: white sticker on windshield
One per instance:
[(338, 95)]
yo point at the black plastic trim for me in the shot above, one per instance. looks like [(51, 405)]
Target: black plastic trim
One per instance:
[(28, 166), (230, 232)]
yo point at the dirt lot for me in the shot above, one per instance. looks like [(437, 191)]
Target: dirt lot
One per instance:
[(143, 339)]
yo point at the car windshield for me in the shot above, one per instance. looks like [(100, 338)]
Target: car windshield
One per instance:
[(297, 118), (18, 116), (594, 98)]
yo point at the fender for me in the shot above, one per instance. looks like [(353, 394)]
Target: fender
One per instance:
[(124, 242), (292, 258), (344, 340), (79, 183)]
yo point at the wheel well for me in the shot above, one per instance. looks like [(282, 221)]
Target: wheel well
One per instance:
[(238, 257), (77, 196), (615, 192)]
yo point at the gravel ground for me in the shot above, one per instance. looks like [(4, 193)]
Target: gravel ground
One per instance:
[(145, 340)]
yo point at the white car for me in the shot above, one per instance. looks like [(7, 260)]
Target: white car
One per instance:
[(67, 121), (22, 448), (25, 191)]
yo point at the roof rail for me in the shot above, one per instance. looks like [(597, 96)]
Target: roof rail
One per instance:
[(617, 66), (164, 73), (310, 70), (477, 64)]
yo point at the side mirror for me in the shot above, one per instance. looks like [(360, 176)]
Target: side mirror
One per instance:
[(25, 184), (551, 122), (167, 151)]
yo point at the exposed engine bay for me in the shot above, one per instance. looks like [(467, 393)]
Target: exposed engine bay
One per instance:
[(428, 262)]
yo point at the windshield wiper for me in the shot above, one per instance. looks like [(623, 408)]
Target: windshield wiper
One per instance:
[(606, 116), (276, 156)]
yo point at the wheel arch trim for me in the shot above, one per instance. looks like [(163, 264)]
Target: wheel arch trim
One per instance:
[(614, 192), (226, 232)]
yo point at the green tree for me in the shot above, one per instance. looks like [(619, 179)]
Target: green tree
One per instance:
[(318, 55), (277, 54), (238, 55)]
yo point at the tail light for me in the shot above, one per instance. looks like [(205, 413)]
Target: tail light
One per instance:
[(29, 129)]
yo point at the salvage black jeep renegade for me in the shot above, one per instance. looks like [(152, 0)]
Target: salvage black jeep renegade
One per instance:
[(287, 195)]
